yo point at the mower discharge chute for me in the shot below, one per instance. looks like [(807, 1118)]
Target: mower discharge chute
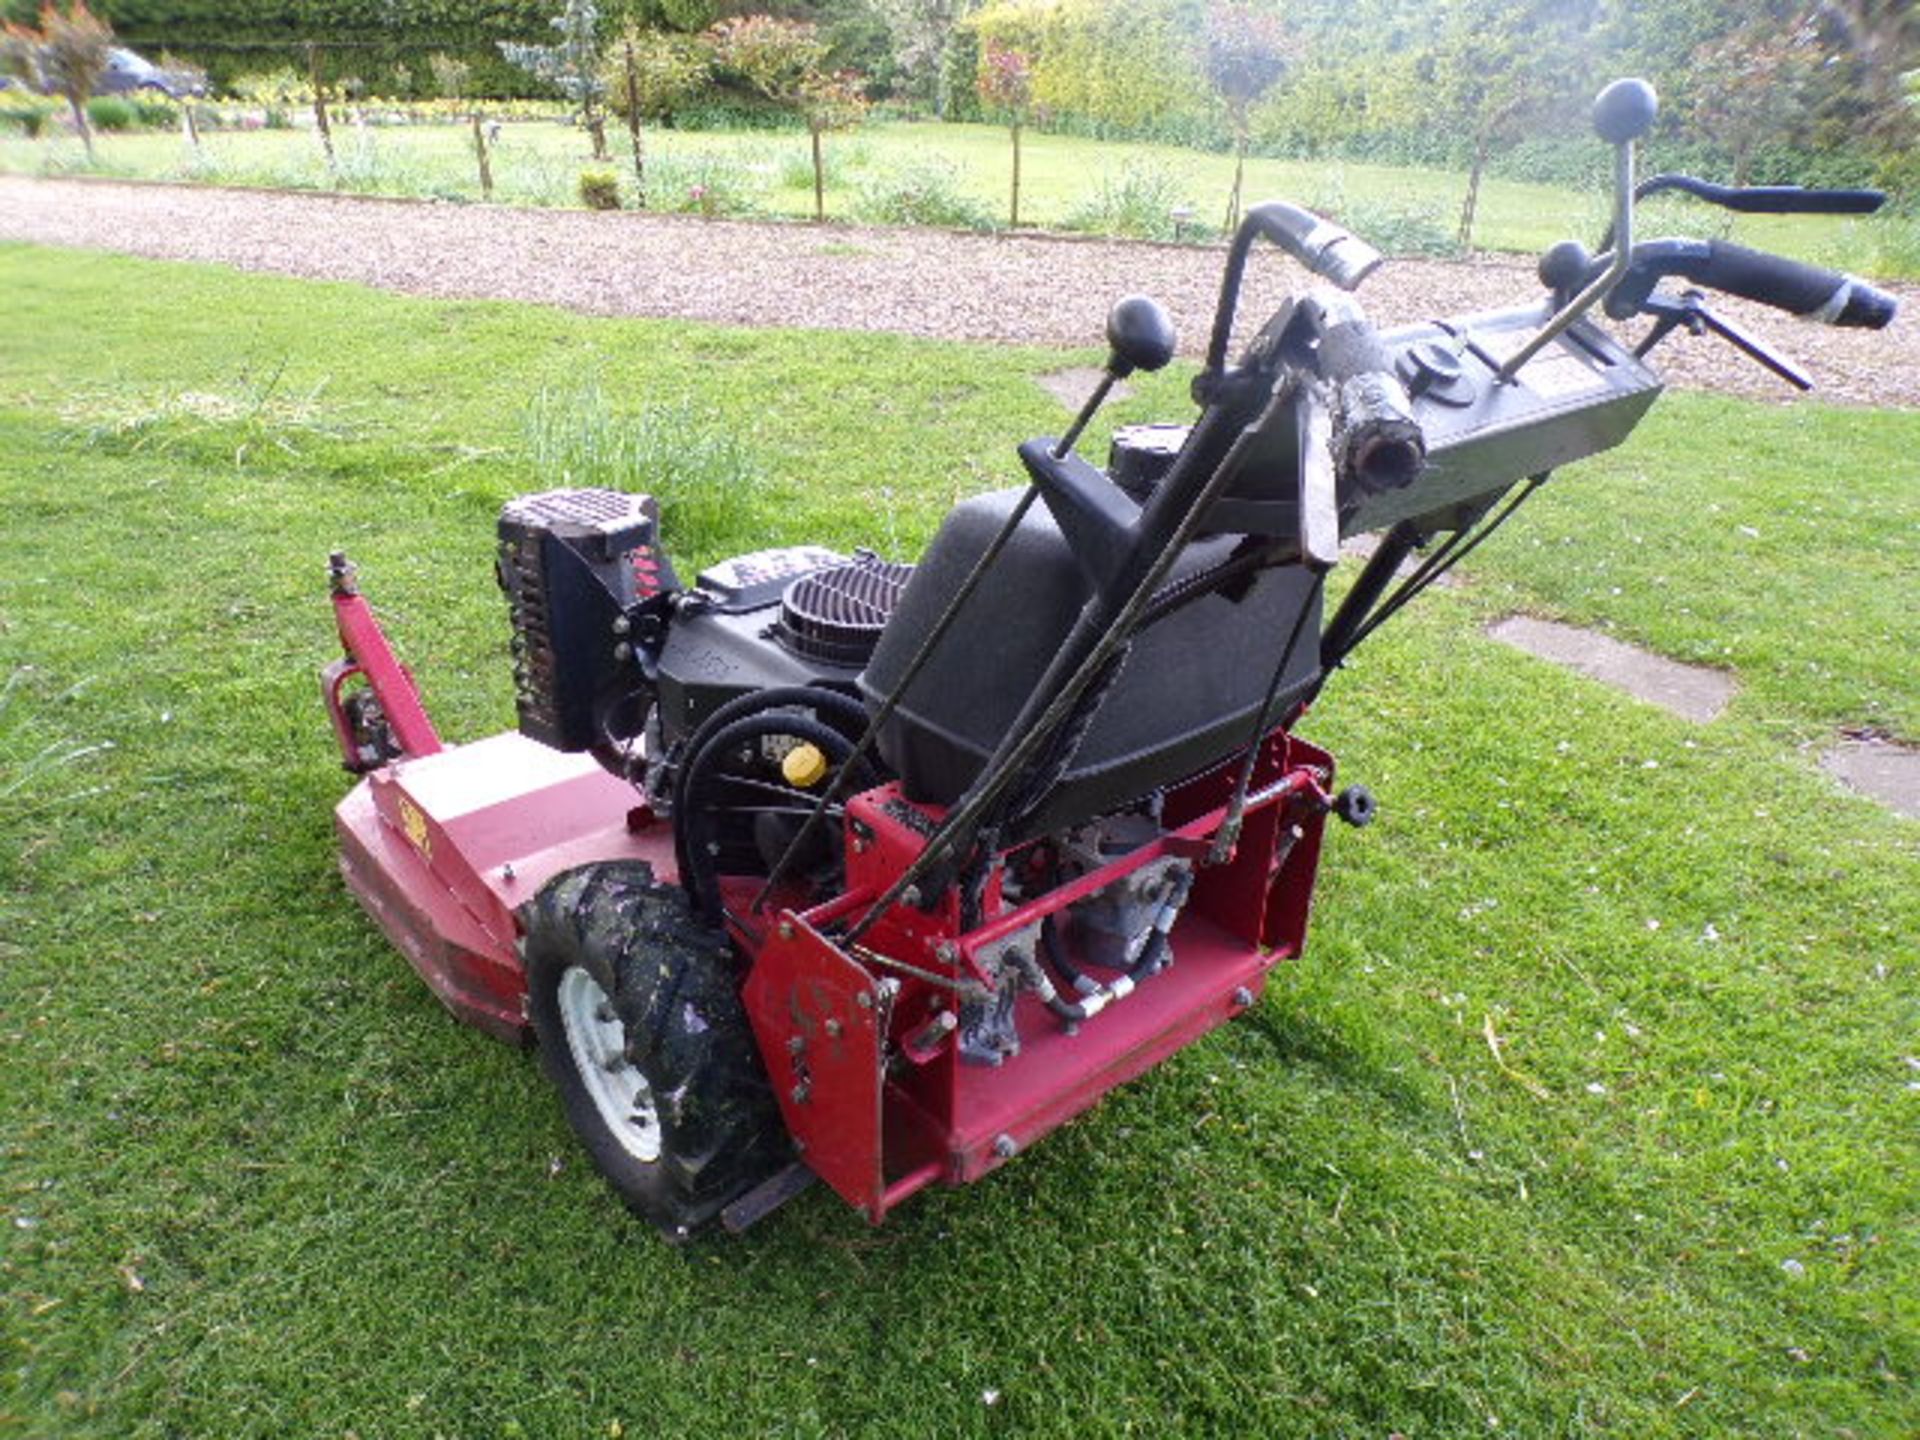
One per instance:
[(828, 866)]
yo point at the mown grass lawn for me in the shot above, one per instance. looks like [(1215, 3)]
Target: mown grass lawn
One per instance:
[(539, 163), (255, 1182)]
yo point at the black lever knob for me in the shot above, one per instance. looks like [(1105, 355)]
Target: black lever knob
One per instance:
[(1140, 333), (1566, 268), (1625, 111)]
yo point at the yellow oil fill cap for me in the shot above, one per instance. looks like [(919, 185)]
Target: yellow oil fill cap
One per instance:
[(804, 766)]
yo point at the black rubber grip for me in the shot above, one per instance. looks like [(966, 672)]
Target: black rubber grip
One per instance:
[(1792, 200), (1766, 199), (1806, 290)]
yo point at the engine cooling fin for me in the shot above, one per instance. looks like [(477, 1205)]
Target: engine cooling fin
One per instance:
[(836, 615)]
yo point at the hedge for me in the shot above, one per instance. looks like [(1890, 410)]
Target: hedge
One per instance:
[(373, 40)]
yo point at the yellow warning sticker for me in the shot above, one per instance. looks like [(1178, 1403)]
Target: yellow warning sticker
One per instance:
[(415, 824)]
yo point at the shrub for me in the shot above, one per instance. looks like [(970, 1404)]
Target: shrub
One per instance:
[(1138, 201), (1896, 246), (110, 112), (599, 189), (709, 484), (1392, 227), (1127, 70), (795, 166), (925, 192), (28, 116), (703, 184), (150, 113), (735, 112)]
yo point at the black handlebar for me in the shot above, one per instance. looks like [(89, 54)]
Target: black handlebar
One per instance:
[(1326, 249), (1767, 199), (1808, 291)]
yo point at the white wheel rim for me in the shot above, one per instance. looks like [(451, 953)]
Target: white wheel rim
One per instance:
[(598, 1043)]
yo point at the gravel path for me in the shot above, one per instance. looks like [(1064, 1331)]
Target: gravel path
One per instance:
[(1024, 289)]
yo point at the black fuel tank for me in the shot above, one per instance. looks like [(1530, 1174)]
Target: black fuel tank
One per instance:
[(1184, 700)]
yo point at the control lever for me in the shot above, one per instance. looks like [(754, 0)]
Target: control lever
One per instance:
[(1690, 312), (1622, 113), (1140, 336)]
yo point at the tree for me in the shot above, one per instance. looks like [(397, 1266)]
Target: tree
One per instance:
[(1751, 86), (1005, 84), (1501, 67), (829, 100), (193, 83), (1883, 38), (451, 77), (785, 61), (923, 34), (647, 74), (64, 57), (572, 67), (318, 88), (1247, 51)]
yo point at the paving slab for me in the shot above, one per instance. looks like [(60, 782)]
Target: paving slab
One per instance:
[(1883, 769), (1072, 386), (1692, 692)]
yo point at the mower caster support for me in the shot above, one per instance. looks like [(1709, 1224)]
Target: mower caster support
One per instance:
[(766, 1197)]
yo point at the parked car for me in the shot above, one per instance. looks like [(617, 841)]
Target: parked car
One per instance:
[(127, 72)]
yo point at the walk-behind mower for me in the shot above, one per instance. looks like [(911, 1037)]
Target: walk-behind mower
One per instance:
[(825, 865)]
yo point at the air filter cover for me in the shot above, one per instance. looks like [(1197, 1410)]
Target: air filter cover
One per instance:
[(836, 615)]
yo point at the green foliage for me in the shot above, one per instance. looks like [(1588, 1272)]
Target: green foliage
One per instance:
[(451, 75), (776, 57), (111, 113), (734, 110), (275, 89), (25, 113), (709, 483), (1247, 50), (705, 183), (599, 189), (571, 64), (960, 67), (793, 166), (1005, 84), (1137, 201), (1113, 69), (652, 72), (1394, 227), (928, 191)]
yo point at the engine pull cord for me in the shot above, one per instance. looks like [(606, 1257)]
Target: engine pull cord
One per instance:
[(837, 790), (1228, 835)]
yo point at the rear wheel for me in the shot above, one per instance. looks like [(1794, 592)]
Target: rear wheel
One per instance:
[(642, 1032)]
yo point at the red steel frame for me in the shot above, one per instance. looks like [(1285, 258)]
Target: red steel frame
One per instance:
[(443, 844)]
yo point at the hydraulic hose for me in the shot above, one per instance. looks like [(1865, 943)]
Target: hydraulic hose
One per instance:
[(1154, 955)]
